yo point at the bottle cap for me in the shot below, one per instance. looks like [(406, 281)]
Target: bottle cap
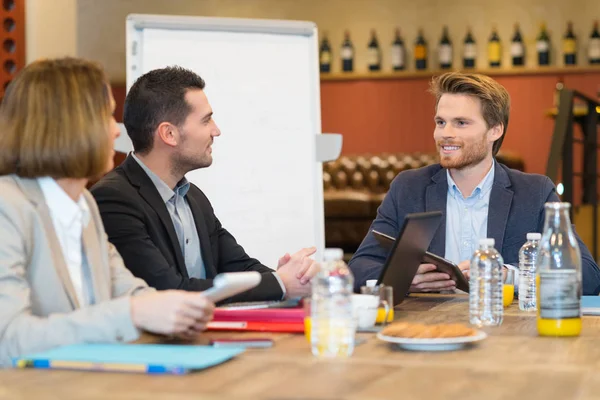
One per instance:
[(487, 242), (333, 254), (372, 283), (534, 236)]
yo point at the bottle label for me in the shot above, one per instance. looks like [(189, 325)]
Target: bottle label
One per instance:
[(445, 54), (325, 57), (542, 46), (494, 52), (420, 52), (373, 56), (397, 55), (594, 49), (347, 53), (470, 52), (517, 49), (569, 46), (559, 294)]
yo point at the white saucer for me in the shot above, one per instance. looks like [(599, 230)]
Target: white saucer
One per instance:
[(437, 344)]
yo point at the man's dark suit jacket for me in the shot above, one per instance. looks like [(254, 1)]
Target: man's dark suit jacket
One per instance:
[(138, 224), (516, 207)]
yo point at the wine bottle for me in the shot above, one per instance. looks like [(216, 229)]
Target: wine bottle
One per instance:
[(542, 46), (445, 50), (570, 46), (374, 53), (594, 45), (469, 50), (347, 53), (494, 49), (325, 55), (517, 48), (420, 51), (398, 52)]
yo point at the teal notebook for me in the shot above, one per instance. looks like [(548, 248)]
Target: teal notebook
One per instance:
[(142, 358)]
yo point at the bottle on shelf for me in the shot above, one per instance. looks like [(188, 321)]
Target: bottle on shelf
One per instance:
[(445, 50), (420, 51), (594, 45), (517, 48), (398, 52), (347, 53), (542, 46), (527, 259), (374, 53), (332, 321), (570, 46), (469, 50), (558, 276), (325, 55), (494, 49), (486, 285)]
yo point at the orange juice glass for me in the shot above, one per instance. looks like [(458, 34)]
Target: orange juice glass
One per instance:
[(307, 327), (386, 301), (508, 288), (307, 318)]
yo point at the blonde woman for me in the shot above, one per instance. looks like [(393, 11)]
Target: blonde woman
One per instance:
[(61, 281)]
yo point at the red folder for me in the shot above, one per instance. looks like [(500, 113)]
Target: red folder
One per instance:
[(256, 326), (262, 315), (260, 320)]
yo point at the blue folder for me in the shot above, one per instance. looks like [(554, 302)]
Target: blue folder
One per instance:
[(590, 305), (141, 358)]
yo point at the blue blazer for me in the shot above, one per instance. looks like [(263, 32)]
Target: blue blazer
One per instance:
[(516, 208)]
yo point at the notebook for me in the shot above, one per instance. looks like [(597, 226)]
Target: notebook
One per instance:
[(141, 358), (590, 305)]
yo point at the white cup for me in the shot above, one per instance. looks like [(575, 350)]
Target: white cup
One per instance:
[(364, 308)]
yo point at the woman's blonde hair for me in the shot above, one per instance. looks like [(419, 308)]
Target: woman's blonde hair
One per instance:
[(55, 119)]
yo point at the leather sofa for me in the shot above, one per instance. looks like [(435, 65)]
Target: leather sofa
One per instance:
[(355, 185)]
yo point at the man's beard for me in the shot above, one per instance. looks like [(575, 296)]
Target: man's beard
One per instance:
[(183, 164), (471, 154)]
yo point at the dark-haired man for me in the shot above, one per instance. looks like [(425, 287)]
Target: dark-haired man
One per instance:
[(163, 226), (478, 196)]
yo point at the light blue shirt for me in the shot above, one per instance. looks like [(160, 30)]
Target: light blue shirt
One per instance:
[(183, 221), (466, 219)]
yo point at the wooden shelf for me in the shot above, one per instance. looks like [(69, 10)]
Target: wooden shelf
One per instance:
[(550, 70)]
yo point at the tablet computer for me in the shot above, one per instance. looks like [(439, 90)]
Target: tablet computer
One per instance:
[(442, 264), (407, 252), (448, 267), (229, 284)]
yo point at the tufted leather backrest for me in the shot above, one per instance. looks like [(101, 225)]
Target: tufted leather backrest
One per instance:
[(374, 172)]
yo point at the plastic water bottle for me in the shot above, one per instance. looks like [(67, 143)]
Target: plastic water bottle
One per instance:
[(527, 259), (485, 294), (332, 321)]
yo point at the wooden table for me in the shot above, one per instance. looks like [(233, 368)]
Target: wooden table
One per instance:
[(512, 363)]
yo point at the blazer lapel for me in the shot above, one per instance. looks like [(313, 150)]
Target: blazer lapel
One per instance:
[(435, 200), (91, 249), (202, 229), (148, 191), (32, 190), (499, 207)]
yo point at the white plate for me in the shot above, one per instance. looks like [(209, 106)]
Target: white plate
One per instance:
[(437, 344)]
